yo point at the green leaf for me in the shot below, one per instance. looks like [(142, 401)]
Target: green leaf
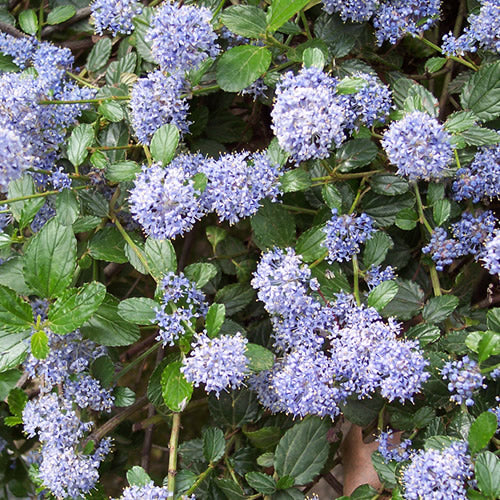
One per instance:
[(355, 154), (261, 482), (438, 309), (259, 358), (420, 99), (99, 55), (231, 490), (434, 64), (407, 302), (103, 369), (234, 408), (161, 257), (24, 211), (376, 249), (17, 401), (86, 223), (382, 294), (480, 136), (424, 333), (112, 111), (273, 226), (28, 21), (200, 273), (340, 37), (389, 184), (245, 20), (61, 14), (8, 381), (67, 207), (362, 411), (137, 476), (487, 469), (125, 64), (282, 11), (492, 319), (303, 450), (310, 244), (80, 139), (176, 390), (108, 244), (15, 314), (164, 143), (215, 317), (139, 310), (295, 180), (441, 211), (107, 328), (123, 397), (386, 471), (265, 438), (75, 306), (241, 66), (488, 345), (460, 121), (332, 196), (313, 56), (12, 349), (406, 219), (94, 203), (289, 494), (285, 482), (214, 444), (122, 171), (235, 297), (40, 344), (50, 259), (481, 431), (7, 65), (142, 24)]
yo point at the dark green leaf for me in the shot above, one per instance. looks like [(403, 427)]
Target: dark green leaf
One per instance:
[(137, 476), (200, 273), (28, 21), (332, 196), (142, 24), (139, 310), (125, 64), (231, 490), (67, 207), (50, 259), (407, 302), (176, 390), (434, 64), (384, 209), (17, 401), (164, 143), (389, 184), (99, 55), (94, 203), (303, 450), (15, 314), (234, 408), (123, 397), (103, 369), (61, 14), (24, 211), (386, 471), (215, 317), (86, 223), (8, 381), (289, 494), (481, 94), (424, 333), (488, 345), (479, 136), (261, 482), (481, 431), (487, 468), (362, 411), (420, 99), (259, 358), (12, 349), (235, 297), (363, 492), (161, 257), (241, 66), (7, 65), (109, 245), (406, 219), (266, 459), (273, 226), (122, 171), (310, 244), (460, 121), (214, 444), (493, 319), (356, 153), (112, 111), (75, 306), (245, 20), (382, 294), (376, 249), (441, 211), (39, 344), (295, 180), (266, 438), (80, 139), (438, 309), (283, 10), (313, 56), (340, 37), (184, 479), (106, 327), (285, 482)]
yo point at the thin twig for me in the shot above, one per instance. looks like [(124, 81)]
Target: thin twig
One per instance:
[(11, 30), (79, 15)]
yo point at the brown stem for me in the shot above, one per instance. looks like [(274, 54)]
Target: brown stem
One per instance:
[(79, 15)]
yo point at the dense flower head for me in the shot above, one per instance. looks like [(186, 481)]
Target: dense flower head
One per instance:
[(256, 89), (181, 302), (307, 114), (155, 101), (443, 249), (345, 234), (438, 474), (60, 179), (483, 31), (40, 307), (164, 201), (353, 10), (302, 383), (218, 363), (182, 37), (392, 448), (396, 18), (373, 102), (376, 275), (51, 63), (146, 492), (464, 378), (43, 216), (20, 49), (114, 15), (491, 255), (419, 146), (481, 179), (472, 232), (237, 184)]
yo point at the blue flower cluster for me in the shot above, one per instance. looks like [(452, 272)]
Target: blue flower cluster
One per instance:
[(114, 15), (20, 49), (482, 31), (182, 37), (491, 255), (419, 146), (345, 234), (464, 378), (146, 492), (181, 303), (218, 363), (375, 275), (60, 180), (481, 179), (64, 469), (437, 474), (155, 101), (307, 114), (166, 202), (43, 216), (391, 448), (443, 250), (353, 10)]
